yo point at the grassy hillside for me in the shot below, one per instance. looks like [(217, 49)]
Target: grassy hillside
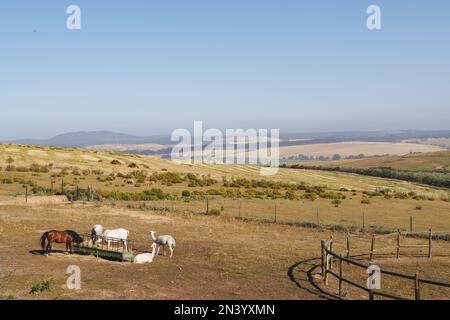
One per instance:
[(291, 196), (67, 163), (263, 231)]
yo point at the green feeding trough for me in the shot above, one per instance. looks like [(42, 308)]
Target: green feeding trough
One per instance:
[(107, 248)]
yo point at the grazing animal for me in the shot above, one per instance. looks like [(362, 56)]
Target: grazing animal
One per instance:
[(67, 237), (96, 233), (163, 241), (121, 234), (145, 257)]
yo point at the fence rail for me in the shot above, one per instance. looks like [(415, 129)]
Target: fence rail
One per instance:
[(328, 257)]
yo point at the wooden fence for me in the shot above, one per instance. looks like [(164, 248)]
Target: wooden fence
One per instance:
[(328, 257)]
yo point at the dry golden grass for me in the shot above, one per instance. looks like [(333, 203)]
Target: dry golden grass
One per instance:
[(215, 257), (243, 260), (209, 251), (386, 213), (85, 159)]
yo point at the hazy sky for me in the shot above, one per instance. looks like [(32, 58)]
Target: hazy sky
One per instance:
[(148, 67)]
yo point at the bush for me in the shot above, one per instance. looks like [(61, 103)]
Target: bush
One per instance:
[(38, 168), (419, 208), (147, 195), (336, 202), (365, 201), (213, 212), (116, 162), (185, 193), (133, 165), (42, 286)]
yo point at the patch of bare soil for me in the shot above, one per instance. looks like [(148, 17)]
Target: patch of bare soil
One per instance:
[(214, 258)]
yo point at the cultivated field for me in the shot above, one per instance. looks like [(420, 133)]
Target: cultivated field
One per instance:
[(357, 147), (441, 142), (265, 243), (435, 161)]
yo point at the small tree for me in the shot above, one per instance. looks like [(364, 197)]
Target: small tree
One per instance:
[(336, 157), (9, 160)]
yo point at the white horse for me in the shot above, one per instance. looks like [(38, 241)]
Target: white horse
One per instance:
[(121, 234), (146, 257)]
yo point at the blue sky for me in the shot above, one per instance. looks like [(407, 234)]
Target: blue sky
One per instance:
[(148, 67)]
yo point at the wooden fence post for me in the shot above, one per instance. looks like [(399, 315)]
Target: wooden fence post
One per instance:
[(328, 258), (322, 258), (240, 206), (275, 211), (62, 185), (410, 224), (26, 194), (364, 222), (348, 246), (341, 274), (430, 244), (331, 249), (417, 286), (207, 205), (398, 244), (372, 247)]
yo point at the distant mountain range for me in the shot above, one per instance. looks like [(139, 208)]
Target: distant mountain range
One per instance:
[(84, 139)]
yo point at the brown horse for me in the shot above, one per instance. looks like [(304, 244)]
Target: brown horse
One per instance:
[(67, 237)]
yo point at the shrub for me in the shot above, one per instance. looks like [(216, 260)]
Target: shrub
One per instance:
[(116, 162), (42, 286), (38, 168), (365, 201), (133, 165), (213, 212), (419, 208), (186, 193), (336, 202)]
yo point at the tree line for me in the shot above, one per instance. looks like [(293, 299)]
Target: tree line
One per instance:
[(432, 179)]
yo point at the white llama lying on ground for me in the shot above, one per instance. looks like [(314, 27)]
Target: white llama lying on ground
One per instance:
[(163, 241), (146, 257)]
